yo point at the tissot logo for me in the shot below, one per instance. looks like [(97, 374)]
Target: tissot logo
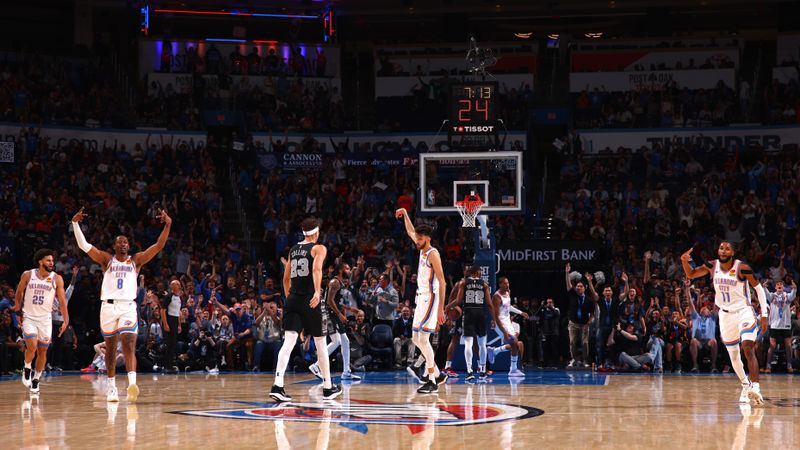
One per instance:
[(473, 129), (358, 414)]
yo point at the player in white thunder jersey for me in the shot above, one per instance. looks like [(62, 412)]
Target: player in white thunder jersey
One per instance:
[(35, 294), (506, 328), (429, 314), (780, 322), (737, 321), (118, 315)]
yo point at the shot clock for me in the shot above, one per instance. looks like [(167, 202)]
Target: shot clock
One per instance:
[(472, 109)]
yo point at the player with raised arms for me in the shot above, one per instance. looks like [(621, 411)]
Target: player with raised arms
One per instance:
[(118, 309)]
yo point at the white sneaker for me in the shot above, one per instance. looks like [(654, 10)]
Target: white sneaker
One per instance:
[(743, 397), (754, 393), (133, 393), (27, 375), (112, 394), (214, 371), (571, 364), (314, 368)]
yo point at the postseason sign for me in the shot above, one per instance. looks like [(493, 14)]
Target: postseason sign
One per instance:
[(655, 80)]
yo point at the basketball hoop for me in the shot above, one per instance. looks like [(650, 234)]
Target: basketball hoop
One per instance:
[(469, 209)]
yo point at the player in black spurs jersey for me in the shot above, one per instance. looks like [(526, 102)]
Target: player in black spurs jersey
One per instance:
[(474, 297), (302, 281)]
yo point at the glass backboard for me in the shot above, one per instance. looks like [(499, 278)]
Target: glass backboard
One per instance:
[(448, 177)]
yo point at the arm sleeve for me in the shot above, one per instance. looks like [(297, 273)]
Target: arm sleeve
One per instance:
[(762, 300), (514, 310), (82, 244)]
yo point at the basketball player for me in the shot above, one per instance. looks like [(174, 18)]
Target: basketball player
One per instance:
[(429, 313), (302, 281), (118, 309), (474, 294), (40, 287), (737, 321), (457, 330), (335, 320), (505, 328)]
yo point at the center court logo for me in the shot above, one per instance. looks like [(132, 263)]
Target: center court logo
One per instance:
[(358, 414)]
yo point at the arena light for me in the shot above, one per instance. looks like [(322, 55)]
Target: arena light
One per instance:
[(553, 36), (233, 13), (225, 40), (523, 35), (594, 35)]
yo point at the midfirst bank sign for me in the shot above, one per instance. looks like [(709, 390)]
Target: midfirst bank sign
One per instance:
[(546, 254)]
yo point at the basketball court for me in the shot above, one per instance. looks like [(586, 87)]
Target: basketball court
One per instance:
[(546, 409)]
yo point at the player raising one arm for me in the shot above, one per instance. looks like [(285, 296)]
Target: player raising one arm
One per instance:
[(737, 321), (429, 314)]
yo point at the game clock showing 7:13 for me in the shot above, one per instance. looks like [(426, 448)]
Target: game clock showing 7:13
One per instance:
[(472, 108)]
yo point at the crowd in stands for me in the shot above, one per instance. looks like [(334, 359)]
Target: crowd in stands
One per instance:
[(279, 103), (616, 44), (687, 198), (300, 62), (781, 103), (61, 90), (670, 107), (688, 64)]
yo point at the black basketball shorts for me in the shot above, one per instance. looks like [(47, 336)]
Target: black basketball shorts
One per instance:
[(299, 316)]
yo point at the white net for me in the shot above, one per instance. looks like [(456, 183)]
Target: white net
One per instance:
[(469, 210)]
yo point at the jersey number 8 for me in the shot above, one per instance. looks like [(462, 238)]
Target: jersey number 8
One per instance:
[(299, 268), (119, 283)]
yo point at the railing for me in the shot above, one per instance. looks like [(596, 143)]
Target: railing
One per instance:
[(234, 178), (123, 80)]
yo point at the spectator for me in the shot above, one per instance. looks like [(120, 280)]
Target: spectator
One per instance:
[(11, 345), (549, 322), (630, 344), (203, 351), (402, 338), (269, 294), (677, 336), (242, 333), (268, 326), (7, 301), (704, 329), (607, 319), (780, 323), (384, 300), (581, 308), (224, 334)]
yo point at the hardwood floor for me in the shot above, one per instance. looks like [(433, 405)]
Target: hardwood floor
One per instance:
[(543, 410)]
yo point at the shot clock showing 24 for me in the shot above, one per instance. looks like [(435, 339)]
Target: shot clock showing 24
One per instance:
[(472, 108)]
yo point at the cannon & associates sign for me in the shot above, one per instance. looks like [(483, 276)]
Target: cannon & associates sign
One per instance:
[(547, 254), (289, 162)]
